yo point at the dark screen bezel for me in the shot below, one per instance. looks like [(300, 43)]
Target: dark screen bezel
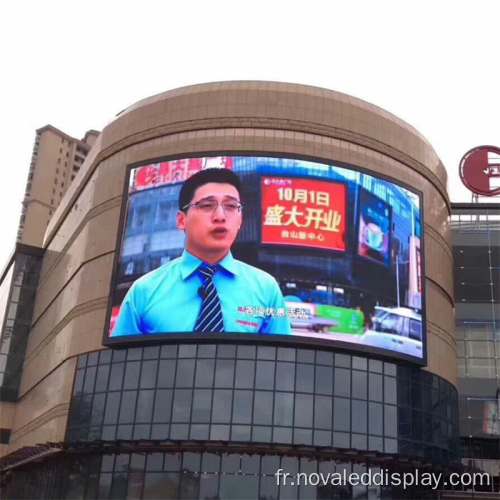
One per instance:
[(276, 340)]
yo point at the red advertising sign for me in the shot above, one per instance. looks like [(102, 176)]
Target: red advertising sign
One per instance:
[(159, 174), (114, 316), (480, 170), (303, 212)]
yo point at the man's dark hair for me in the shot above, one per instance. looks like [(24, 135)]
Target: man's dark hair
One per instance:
[(218, 175)]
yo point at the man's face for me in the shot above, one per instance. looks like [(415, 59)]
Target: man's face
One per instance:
[(211, 232)]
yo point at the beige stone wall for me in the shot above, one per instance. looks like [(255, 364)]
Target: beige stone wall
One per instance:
[(40, 414), (37, 218), (6, 414), (239, 117)]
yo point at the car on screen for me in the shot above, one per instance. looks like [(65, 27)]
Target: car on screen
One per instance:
[(305, 318), (398, 329)]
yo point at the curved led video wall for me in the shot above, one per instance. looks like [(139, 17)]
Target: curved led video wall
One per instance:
[(324, 254)]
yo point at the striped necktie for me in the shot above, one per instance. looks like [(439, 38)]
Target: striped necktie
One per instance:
[(210, 317)]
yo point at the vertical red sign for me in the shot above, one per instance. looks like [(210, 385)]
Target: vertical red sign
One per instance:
[(304, 212)]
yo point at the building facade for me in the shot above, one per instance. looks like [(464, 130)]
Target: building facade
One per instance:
[(198, 419), (19, 281), (55, 161), (476, 252)]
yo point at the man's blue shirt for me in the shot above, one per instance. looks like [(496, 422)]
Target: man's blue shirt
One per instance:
[(167, 300)]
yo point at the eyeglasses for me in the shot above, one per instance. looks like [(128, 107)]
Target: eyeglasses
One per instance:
[(209, 207)]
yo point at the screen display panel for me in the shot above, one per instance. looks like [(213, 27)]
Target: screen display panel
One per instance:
[(374, 239), (293, 250)]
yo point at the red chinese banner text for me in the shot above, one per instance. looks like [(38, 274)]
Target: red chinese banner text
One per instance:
[(304, 212), (170, 172)]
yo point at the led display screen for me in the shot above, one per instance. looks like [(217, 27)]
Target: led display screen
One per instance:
[(298, 251), (374, 228)]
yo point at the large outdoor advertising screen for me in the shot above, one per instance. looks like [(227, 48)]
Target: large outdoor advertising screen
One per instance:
[(299, 251)]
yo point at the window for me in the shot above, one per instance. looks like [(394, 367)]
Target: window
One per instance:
[(51, 202), (481, 368), (142, 216), (53, 191), (4, 436), (415, 330), (62, 184), (65, 163), (67, 155), (163, 211), (59, 160), (134, 245), (391, 324), (480, 349), (72, 177), (162, 239), (57, 170), (76, 168), (60, 150)]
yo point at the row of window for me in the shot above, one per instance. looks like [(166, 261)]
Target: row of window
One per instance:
[(76, 168), (261, 393), (260, 352), (479, 348), (223, 406), (481, 427), (469, 223), (257, 434), (17, 310), (281, 417), (478, 330), (248, 374), (487, 449), (478, 367), (208, 476), (418, 377), (478, 345), (79, 149)]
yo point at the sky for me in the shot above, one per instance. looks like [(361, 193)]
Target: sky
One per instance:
[(75, 65)]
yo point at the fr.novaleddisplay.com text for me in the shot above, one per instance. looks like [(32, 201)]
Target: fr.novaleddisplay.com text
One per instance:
[(383, 478)]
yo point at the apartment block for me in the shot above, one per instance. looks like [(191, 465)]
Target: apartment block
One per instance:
[(56, 159)]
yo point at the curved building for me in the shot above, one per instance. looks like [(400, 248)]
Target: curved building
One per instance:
[(345, 205)]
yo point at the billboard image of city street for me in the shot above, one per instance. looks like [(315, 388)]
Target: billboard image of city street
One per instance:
[(343, 246)]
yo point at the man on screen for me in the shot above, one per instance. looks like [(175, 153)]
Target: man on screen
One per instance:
[(205, 290)]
